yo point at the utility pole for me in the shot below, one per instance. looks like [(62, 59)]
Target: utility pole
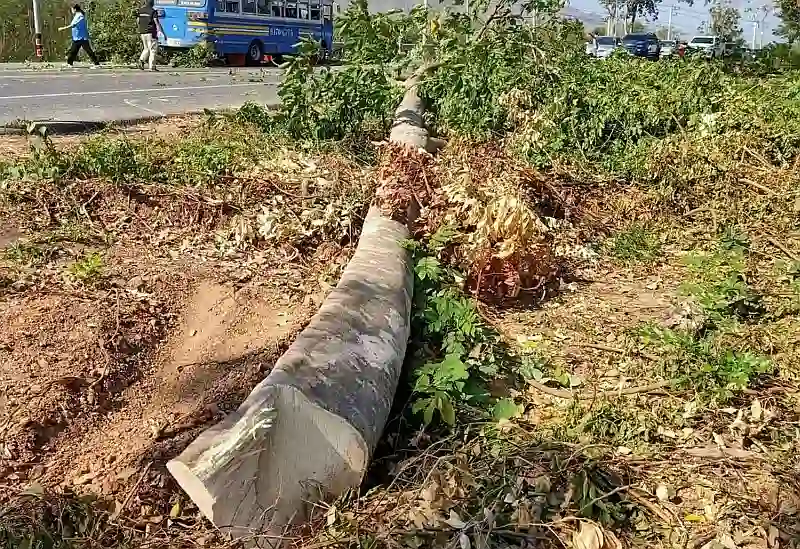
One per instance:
[(669, 24), (37, 29)]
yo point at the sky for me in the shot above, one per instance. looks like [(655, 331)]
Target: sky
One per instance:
[(685, 18), (688, 18)]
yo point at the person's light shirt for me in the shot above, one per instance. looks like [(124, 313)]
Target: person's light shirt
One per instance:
[(80, 30)]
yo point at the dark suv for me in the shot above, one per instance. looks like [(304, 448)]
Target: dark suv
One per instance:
[(644, 44)]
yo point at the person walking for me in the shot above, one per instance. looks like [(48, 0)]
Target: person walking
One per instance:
[(149, 27), (80, 36)]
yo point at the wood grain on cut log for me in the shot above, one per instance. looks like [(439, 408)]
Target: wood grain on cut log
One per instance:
[(309, 428)]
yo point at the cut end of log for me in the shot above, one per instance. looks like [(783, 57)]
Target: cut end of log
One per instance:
[(262, 485)]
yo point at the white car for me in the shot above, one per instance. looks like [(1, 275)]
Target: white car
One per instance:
[(709, 46), (602, 46), (668, 48)]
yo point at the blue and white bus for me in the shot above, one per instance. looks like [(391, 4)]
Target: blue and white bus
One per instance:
[(257, 29)]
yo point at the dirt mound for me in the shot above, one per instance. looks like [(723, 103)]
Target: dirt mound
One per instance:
[(65, 358), (93, 387), (223, 344)]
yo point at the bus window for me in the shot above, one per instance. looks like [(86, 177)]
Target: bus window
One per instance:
[(291, 11), (315, 13), (248, 6), (304, 10), (228, 6), (277, 8)]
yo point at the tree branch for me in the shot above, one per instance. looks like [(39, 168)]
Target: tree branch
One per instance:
[(562, 393)]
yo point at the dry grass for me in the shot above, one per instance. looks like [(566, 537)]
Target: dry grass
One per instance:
[(695, 459), (706, 459), (99, 271)]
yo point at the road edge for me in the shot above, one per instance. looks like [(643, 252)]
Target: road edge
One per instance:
[(76, 127)]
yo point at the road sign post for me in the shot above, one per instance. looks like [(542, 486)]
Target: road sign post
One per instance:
[(37, 29)]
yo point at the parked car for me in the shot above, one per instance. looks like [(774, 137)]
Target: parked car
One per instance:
[(644, 44), (668, 48), (707, 46), (602, 46)]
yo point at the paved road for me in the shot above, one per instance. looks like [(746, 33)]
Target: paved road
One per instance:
[(89, 95)]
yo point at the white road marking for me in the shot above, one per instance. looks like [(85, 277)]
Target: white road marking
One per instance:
[(141, 90), (145, 109)]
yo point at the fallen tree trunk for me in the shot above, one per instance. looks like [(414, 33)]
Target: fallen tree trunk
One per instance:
[(309, 428)]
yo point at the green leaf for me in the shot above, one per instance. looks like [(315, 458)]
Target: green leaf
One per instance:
[(452, 368), (423, 384), (428, 268), (506, 408), (447, 411), (428, 416), (419, 405)]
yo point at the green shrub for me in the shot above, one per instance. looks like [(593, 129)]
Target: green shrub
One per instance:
[(327, 105), (112, 24), (636, 244), (705, 364), (200, 160), (720, 285), (200, 55), (88, 269), (116, 158)]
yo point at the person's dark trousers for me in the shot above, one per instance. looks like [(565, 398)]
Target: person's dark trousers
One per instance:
[(77, 45)]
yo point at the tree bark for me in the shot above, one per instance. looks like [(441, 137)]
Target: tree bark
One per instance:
[(307, 430)]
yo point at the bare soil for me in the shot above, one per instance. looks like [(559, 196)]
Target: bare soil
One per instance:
[(97, 382), (106, 376)]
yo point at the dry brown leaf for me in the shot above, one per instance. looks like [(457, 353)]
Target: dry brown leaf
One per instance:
[(611, 541), (589, 536), (756, 410), (523, 516), (430, 492), (454, 521)]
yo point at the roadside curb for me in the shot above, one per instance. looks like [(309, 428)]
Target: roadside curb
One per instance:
[(57, 127), (76, 127)]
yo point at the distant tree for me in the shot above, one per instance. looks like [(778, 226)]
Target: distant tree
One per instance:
[(725, 21), (599, 30), (789, 13), (16, 30), (635, 10), (663, 33)]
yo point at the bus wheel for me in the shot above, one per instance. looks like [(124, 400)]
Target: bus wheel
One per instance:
[(255, 53)]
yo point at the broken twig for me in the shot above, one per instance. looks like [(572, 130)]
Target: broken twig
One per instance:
[(563, 393)]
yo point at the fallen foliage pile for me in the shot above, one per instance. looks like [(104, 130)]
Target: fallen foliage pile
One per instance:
[(606, 261)]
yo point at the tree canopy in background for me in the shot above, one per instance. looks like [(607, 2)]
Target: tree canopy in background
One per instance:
[(725, 21), (112, 28), (789, 13)]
